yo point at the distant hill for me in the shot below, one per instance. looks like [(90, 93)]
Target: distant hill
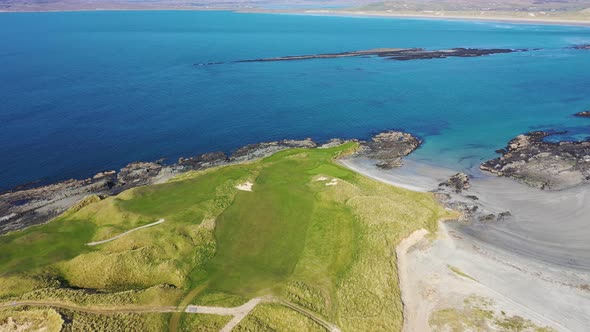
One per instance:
[(50, 5)]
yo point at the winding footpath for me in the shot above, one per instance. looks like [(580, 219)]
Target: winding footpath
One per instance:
[(239, 313), (126, 233)]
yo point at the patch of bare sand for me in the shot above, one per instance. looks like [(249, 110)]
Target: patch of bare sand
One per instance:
[(246, 186)]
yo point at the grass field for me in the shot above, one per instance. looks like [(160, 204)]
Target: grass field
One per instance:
[(310, 232)]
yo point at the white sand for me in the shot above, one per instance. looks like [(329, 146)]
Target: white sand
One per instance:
[(246, 186)]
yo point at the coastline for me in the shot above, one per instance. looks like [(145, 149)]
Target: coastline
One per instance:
[(394, 15), (335, 13)]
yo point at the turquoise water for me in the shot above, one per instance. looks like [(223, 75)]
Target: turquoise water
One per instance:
[(87, 91)]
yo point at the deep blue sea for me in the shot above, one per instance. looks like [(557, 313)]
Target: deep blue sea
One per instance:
[(82, 92)]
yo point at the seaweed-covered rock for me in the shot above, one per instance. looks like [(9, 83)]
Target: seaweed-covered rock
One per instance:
[(457, 182), (389, 147), (531, 160)]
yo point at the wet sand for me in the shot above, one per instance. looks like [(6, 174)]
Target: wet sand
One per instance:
[(534, 264)]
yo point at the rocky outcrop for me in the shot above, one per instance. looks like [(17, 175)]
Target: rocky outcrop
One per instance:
[(388, 148), (27, 207), (454, 194), (584, 114), (138, 173), (205, 160), (24, 206), (260, 150), (582, 47), (457, 182), (400, 54), (531, 160), (422, 54)]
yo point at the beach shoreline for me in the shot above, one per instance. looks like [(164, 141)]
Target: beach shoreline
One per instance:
[(495, 261), (467, 18), (312, 12)]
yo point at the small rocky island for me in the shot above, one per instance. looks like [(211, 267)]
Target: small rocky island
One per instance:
[(529, 159), (388, 148), (584, 114), (399, 54), (582, 47), (25, 206)]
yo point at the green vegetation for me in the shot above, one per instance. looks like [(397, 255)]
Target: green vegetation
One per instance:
[(310, 232), (460, 272), (203, 323), (30, 319), (477, 315), (82, 321), (275, 317)]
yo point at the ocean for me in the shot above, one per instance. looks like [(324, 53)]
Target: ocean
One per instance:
[(82, 92)]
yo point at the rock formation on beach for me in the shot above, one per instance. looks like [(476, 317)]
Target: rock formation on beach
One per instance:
[(388, 148), (529, 159), (457, 182)]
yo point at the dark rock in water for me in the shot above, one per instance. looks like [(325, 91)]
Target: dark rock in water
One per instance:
[(453, 52), (545, 165), (400, 54), (388, 148), (584, 114), (582, 47), (457, 182)]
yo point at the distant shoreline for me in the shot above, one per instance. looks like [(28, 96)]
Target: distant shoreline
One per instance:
[(394, 15), (336, 13)]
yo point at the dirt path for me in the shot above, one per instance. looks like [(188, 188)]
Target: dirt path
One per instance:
[(91, 309), (414, 319), (126, 233), (239, 313), (175, 317)]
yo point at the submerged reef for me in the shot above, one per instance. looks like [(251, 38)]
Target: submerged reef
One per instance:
[(400, 54)]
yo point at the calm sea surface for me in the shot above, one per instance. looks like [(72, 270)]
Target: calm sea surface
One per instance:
[(89, 91)]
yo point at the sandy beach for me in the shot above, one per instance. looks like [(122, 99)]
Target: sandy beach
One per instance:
[(535, 264), (451, 17)]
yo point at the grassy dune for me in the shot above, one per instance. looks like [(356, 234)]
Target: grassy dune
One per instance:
[(311, 232)]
